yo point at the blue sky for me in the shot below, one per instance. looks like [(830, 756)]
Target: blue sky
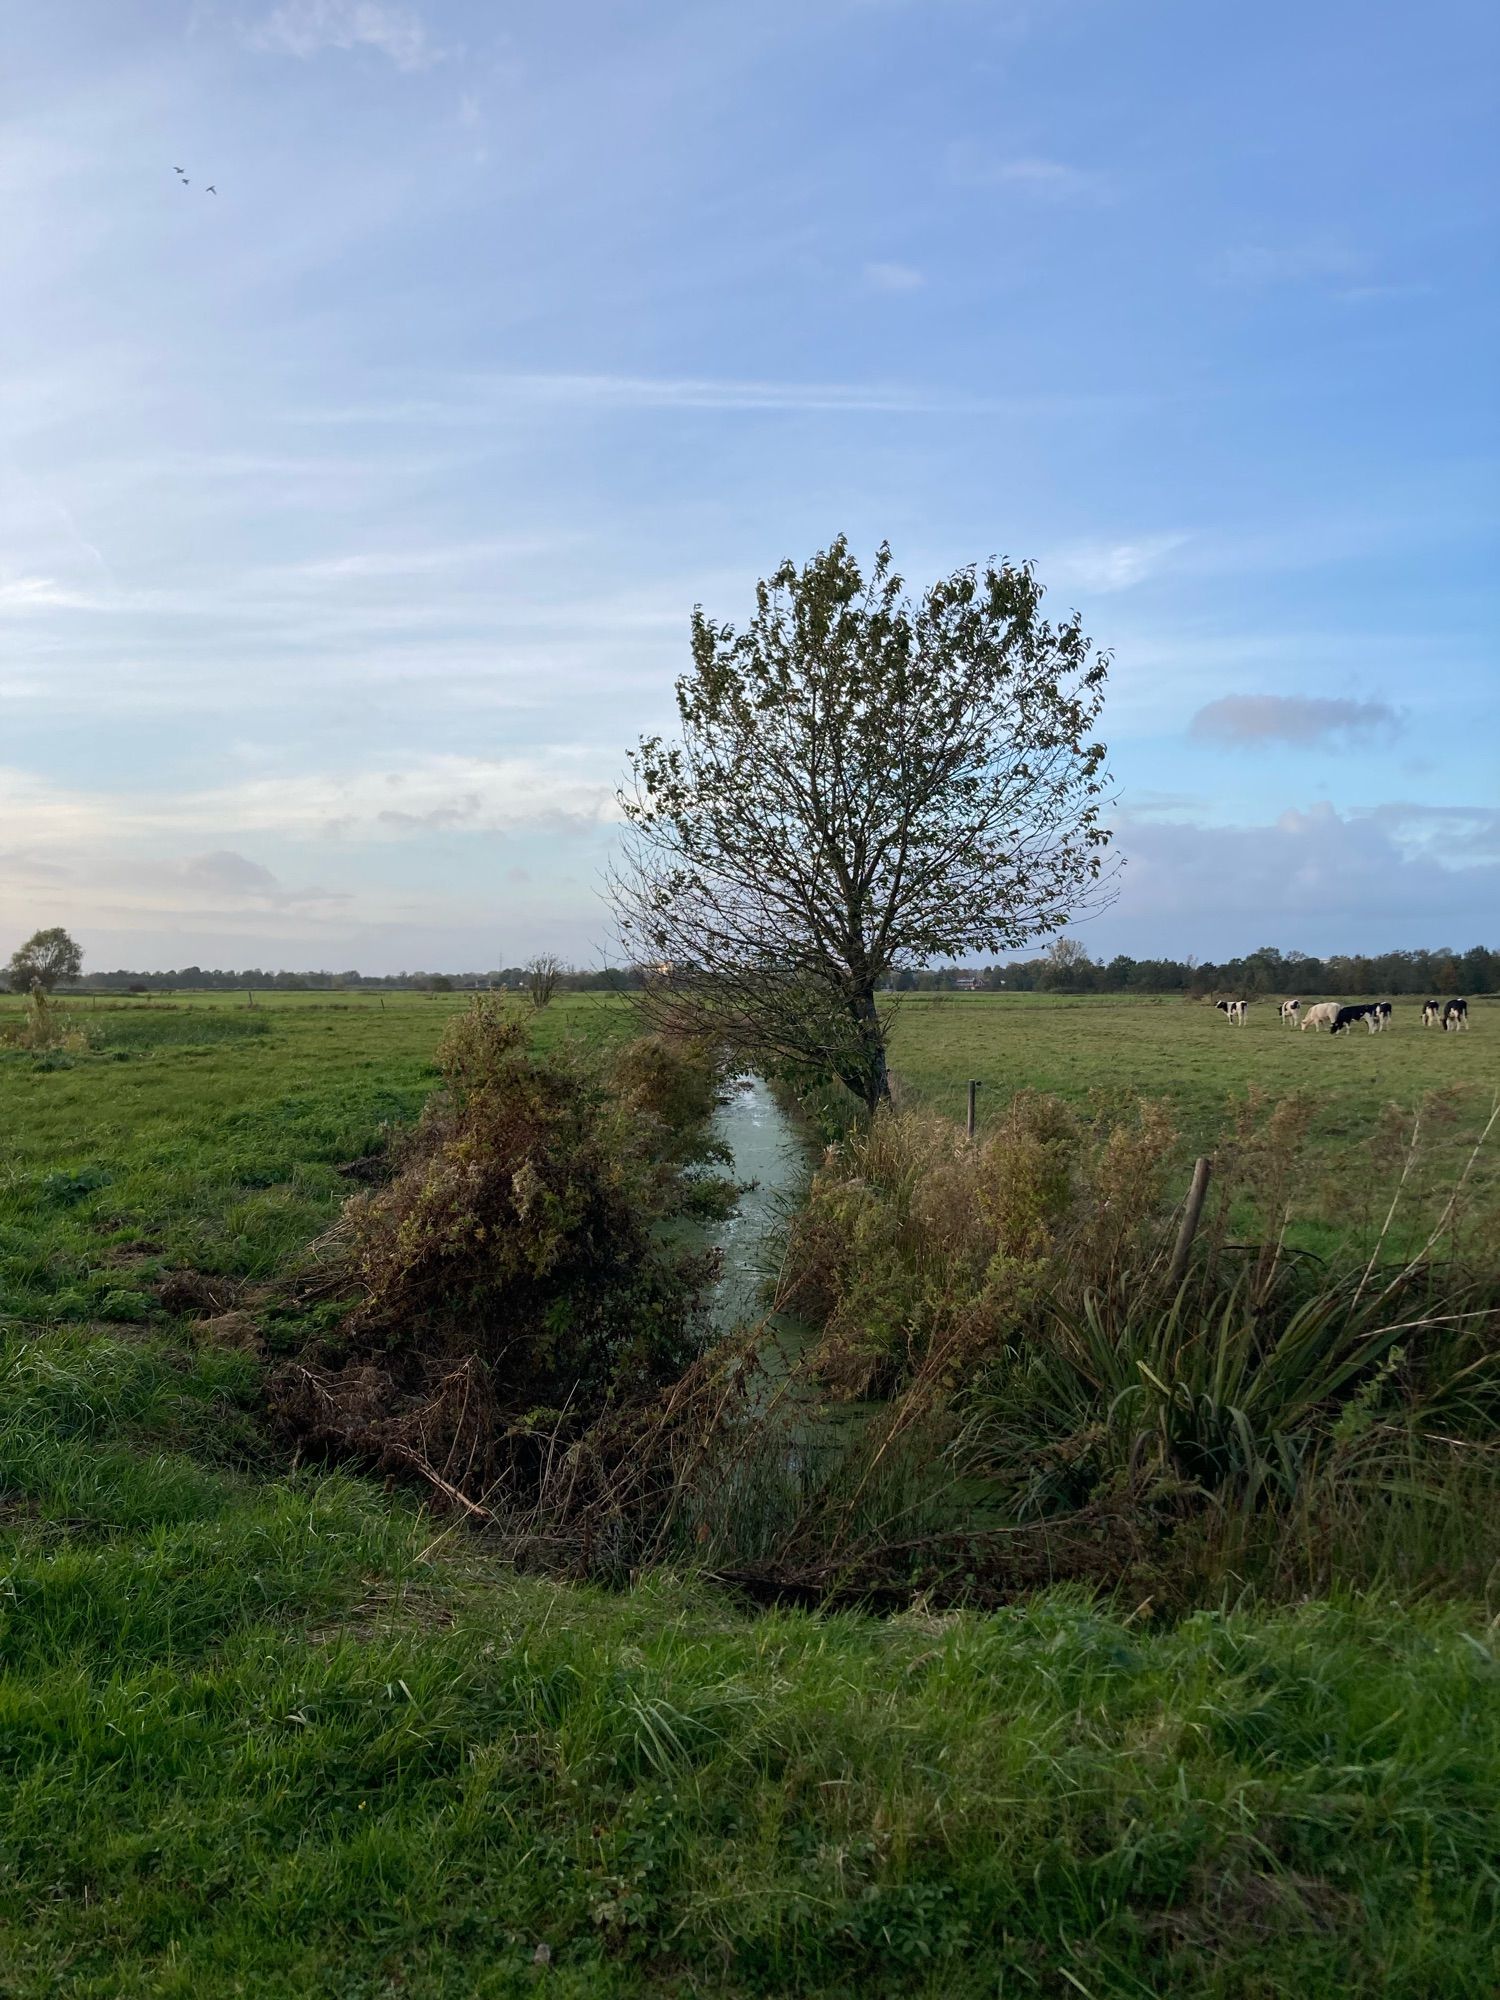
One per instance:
[(351, 516)]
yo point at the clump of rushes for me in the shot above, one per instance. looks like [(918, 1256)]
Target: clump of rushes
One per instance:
[(513, 1280)]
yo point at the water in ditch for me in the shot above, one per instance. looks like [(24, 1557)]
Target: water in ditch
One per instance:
[(772, 1161)]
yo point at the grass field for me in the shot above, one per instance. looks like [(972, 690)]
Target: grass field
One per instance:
[(1187, 1054), (270, 1732), (204, 1134)]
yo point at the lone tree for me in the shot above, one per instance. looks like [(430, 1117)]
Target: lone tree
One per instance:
[(863, 782), (44, 959), (1066, 965), (542, 975)]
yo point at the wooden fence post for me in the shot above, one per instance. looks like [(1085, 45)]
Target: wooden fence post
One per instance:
[(973, 1105), (1191, 1216)]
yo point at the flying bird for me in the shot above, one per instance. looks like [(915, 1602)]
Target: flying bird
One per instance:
[(212, 190)]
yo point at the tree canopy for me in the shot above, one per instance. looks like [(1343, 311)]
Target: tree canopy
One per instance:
[(862, 780), (45, 958)]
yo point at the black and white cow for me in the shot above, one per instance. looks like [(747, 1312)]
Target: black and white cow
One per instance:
[(1382, 1011), (1346, 1017), (1432, 1013), (1456, 1014), (1289, 1009), (1233, 1010)]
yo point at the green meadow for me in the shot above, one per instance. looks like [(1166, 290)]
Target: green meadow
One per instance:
[(1187, 1053), (197, 1132), (1364, 1092), (269, 1729)]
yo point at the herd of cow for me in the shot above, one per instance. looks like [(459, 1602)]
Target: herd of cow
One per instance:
[(1376, 1014)]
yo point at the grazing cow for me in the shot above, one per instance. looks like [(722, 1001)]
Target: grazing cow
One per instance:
[(1289, 1013), (1322, 1016), (1346, 1017), (1233, 1010), (1456, 1014), (1382, 1011), (1432, 1013)]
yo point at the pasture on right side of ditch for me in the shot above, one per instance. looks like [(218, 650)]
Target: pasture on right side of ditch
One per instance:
[(1359, 1095)]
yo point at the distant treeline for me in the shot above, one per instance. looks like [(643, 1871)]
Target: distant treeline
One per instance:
[(200, 979), (1265, 971), (1068, 970)]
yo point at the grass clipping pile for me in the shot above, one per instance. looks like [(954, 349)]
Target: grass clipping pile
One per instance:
[(516, 1278)]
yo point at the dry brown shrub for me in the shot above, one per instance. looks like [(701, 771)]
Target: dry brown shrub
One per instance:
[(230, 1329), (918, 1252), (44, 1027), (512, 1276)]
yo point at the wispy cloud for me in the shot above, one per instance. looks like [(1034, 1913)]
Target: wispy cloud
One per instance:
[(504, 394), (223, 873), (306, 28), (1373, 295), (1103, 567), (375, 564), (894, 278), (34, 593), (562, 788), (1309, 722), (462, 812), (974, 165), (1260, 266)]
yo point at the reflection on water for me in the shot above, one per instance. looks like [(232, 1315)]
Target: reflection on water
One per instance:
[(813, 1432), (766, 1151)]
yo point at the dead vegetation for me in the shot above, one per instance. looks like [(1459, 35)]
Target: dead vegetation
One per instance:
[(1051, 1401), (514, 1278)]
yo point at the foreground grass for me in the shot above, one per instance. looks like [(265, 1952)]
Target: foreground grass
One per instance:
[(271, 1734), (287, 1737)]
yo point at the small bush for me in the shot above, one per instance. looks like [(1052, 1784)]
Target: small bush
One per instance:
[(512, 1278), (668, 1080)]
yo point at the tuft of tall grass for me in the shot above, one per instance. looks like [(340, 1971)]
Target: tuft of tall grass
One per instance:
[(918, 1252), (1232, 1395)]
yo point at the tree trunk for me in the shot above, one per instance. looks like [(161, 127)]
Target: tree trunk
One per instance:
[(877, 1076)]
